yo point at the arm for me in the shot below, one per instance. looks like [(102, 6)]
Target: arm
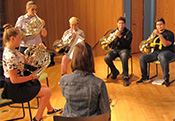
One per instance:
[(14, 78), (104, 100), (43, 31), (162, 39), (25, 61)]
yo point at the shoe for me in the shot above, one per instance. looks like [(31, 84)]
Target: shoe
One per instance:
[(114, 75), (166, 82), (37, 120), (55, 110), (143, 81), (126, 81)]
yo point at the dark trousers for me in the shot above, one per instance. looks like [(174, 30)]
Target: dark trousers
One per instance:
[(124, 55)]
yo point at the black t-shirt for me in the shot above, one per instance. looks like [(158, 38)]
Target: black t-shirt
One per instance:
[(169, 36)]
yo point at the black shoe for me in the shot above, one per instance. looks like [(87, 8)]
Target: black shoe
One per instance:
[(114, 75), (143, 81), (126, 81), (60, 110), (166, 82)]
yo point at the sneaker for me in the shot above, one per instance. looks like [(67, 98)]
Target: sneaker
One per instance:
[(166, 82), (143, 81), (37, 120), (114, 75), (55, 110), (126, 81)]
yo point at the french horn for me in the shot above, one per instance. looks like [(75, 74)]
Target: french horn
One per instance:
[(145, 45), (38, 57), (65, 41), (105, 41), (33, 27)]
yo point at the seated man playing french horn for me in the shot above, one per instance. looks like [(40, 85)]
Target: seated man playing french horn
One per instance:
[(72, 36), (162, 43), (121, 47)]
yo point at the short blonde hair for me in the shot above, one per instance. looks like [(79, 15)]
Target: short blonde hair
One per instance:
[(73, 20)]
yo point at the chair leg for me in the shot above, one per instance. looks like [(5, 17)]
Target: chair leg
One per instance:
[(156, 72), (131, 68), (108, 74), (19, 117), (30, 111), (47, 81)]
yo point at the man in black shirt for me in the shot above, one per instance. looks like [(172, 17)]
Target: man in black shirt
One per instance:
[(163, 51), (121, 47)]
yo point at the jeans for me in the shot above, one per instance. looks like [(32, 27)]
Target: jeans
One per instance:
[(163, 56), (124, 55)]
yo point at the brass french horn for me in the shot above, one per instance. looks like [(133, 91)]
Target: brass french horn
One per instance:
[(65, 41), (105, 41), (33, 27), (38, 57), (145, 45)]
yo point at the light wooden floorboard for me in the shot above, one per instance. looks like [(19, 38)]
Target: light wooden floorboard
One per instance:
[(145, 102)]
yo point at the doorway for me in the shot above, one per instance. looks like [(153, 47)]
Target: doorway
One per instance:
[(140, 17)]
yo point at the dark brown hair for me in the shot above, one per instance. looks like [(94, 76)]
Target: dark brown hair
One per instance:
[(9, 31), (122, 19), (160, 19), (83, 58)]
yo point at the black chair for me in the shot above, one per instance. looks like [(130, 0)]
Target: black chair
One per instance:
[(102, 117), (118, 59), (8, 102)]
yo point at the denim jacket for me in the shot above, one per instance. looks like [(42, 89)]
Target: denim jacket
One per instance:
[(86, 95)]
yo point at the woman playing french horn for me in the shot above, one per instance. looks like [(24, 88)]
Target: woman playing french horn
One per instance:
[(18, 87), (31, 26)]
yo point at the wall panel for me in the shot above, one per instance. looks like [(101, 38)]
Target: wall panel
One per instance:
[(166, 9)]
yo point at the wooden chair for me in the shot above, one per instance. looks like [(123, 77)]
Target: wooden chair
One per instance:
[(103, 117), (118, 59)]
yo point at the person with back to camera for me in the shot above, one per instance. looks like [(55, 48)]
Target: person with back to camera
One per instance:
[(74, 31), (31, 9), (22, 88), (86, 95), (163, 51)]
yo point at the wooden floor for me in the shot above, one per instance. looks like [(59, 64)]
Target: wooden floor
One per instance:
[(145, 102)]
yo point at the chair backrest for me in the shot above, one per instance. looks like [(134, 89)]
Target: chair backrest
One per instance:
[(103, 117)]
